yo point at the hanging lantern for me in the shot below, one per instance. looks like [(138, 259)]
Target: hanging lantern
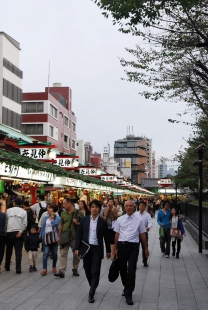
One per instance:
[(86, 192), (42, 189), (2, 190), (71, 192), (25, 187), (79, 192)]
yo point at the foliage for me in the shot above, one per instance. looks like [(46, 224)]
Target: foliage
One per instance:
[(130, 13), (172, 61)]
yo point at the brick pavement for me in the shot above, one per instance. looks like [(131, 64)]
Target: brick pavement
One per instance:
[(172, 283)]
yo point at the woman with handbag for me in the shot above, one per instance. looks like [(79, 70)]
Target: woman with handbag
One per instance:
[(177, 232), (49, 234)]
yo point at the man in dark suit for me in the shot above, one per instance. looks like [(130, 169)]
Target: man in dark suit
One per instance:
[(92, 230)]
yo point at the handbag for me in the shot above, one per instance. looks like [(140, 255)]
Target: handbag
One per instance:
[(66, 236), (175, 232), (114, 271), (161, 231), (49, 238)]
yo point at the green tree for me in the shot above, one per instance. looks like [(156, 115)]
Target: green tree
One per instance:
[(172, 62)]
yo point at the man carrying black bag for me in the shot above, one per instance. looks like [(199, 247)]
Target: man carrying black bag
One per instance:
[(92, 230), (70, 220)]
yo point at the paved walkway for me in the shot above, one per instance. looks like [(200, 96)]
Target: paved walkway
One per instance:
[(175, 284)]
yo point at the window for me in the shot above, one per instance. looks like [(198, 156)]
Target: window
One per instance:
[(66, 141), (66, 121), (11, 118), (53, 111), (32, 129), (73, 127), (32, 107), (7, 64), (73, 144), (12, 92), (51, 130)]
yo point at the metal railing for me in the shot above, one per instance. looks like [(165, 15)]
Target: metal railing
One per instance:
[(191, 212)]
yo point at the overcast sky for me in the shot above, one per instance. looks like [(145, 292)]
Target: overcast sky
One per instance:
[(83, 48)]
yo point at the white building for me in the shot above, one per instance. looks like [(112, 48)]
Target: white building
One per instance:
[(109, 164), (80, 151), (10, 82)]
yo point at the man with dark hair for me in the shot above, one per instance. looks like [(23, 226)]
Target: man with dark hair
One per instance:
[(92, 230), (70, 219), (38, 208), (16, 225), (147, 221)]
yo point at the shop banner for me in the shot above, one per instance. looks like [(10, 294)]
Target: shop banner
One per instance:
[(23, 173)]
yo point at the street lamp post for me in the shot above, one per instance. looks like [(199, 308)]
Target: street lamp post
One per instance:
[(200, 150)]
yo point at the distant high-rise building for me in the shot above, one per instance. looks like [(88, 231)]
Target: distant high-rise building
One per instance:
[(88, 152), (162, 170), (139, 150), (10, 82)]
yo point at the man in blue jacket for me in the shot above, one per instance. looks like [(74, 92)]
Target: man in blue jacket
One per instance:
[(92, 230), (163, 219)]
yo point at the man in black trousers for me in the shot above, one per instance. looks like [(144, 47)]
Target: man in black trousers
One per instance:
[(129, 228), (92, 230)]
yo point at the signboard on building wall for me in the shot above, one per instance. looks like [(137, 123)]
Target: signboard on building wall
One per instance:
[(149, 182), (23, 173), (90, 171), (125, 162), (67, 162), (35, 153), (108, 178)]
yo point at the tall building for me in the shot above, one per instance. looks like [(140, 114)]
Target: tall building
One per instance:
[(47, 117), (153, 172), (162, 170), (139, 150), (88, 153), (10, 82)]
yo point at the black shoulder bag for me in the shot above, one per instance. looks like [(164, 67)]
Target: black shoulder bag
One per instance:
[(66, 236)]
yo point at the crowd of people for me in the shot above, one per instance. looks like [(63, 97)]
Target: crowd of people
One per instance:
[(123, 226)]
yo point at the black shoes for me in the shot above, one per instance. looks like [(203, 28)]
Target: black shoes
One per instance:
[(75, 272), (177, 255), (59, 274), (145, 265), (129, 301), (173, 253), (91, 299), (18, 271)]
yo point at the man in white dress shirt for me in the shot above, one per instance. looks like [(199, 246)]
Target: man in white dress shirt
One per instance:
[(128, 228), (147, 221)]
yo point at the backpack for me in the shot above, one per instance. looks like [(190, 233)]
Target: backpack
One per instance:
[(42, 210)]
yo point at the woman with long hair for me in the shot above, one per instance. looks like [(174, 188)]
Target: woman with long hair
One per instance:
[(177, 232), (49, 234), (83, 207)]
